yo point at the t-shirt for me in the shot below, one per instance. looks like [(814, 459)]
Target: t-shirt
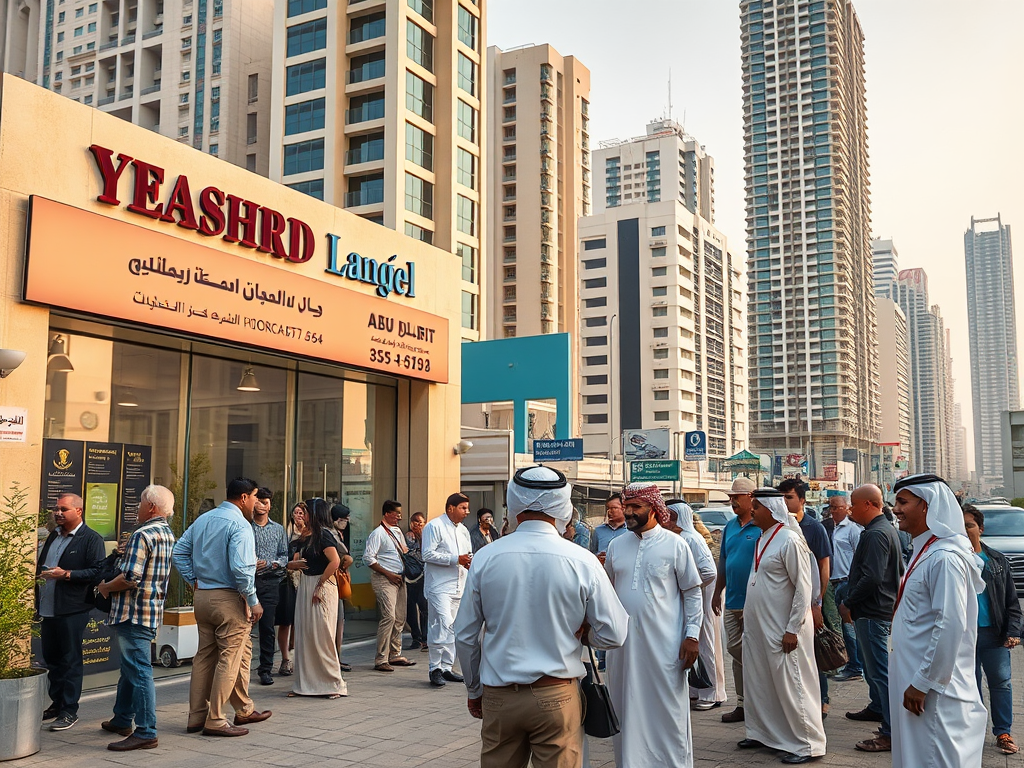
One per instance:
[(984, 609), (736, 560), (817, 538), (317, 561)]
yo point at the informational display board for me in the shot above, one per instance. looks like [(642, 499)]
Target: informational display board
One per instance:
[(696, 446), (558, 450), (653, 470)]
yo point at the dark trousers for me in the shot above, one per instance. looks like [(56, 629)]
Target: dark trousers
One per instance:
[(61, 640), (268, 592), (416, 610), (873, 643)]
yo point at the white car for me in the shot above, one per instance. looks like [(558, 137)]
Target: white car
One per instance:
[(715, 518)]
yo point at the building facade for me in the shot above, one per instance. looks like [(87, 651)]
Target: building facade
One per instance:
[(885, 269), (197, 71), (992, 322), (960, 474), (813, 339), (894, 376), (378, 108), (539, 172), (662, 319), (931, 382)]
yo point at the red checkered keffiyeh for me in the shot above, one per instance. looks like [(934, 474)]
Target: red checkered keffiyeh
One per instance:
[(650, 493)]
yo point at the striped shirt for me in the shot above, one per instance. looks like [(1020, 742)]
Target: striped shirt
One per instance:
[(146, 563), (271, 547)]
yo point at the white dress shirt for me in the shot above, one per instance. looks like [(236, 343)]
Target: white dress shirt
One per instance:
[(381, 549), (443, 542), (530, 592), (845, 538)]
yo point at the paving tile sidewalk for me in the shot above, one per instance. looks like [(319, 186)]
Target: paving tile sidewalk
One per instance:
[(397, 720)]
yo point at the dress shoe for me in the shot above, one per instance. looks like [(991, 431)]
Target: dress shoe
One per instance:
[(845, 677), (878, 744), (253, 717), (225, 730), (195, 728), (749, 744), (452, 677), (736, 716), (790, 759), (345, 667), (865, 715), (51, 712), (266, 678), (424, 648), (437, 677), (108, 726), (132, 742), (383, 667)]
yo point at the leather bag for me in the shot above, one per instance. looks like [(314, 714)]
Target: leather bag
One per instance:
[(108, 572), (698, 677), (600, 720), (829, 650), (344, 585), (412, 568)]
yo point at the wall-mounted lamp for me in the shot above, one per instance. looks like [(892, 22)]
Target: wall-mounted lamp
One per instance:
[(463, 446), (9, 360), (58, 361), (248, 381)]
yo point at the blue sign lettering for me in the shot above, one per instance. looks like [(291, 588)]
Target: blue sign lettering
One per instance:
[(696, 447), (388, 277), (558, 450)]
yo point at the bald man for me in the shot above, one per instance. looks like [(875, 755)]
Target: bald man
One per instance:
[(869, 601)]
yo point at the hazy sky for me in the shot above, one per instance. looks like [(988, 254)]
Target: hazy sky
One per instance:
[(945, 85)]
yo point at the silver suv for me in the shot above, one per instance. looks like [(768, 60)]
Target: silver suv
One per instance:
[(1004, 532)]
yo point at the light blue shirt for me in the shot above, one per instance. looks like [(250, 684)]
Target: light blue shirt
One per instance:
[(218, 551)]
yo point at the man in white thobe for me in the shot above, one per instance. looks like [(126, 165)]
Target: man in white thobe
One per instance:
[(780, 677), (446, 550), (658, 584), (938, 719), (711, 629)]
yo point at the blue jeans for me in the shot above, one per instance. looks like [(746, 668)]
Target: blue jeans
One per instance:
[(873, 642), (853, 666), (136, 694), (994, 658)]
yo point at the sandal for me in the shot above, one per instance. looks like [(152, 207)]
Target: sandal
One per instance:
[(287, 668), (1006, 744), (401, 661), (879, 744)]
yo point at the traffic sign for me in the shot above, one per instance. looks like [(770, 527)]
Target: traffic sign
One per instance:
[(653, 469), (696, 448), (558, 450)]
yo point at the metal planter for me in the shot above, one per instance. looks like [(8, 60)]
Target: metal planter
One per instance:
[(21, 707)]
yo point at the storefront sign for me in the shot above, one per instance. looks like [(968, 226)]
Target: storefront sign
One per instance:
[(659, 469), (558, 450), (12, 424), (88, 263)]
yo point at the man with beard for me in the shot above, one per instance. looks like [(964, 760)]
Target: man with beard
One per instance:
[(937, 716), (659, 585), (783, 704)]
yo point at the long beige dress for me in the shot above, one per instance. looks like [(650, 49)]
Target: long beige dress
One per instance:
[(317, 668)]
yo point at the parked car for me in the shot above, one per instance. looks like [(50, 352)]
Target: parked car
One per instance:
[(1004, 532), (715, 518)]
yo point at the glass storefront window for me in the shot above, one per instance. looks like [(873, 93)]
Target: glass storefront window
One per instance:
[(205, 415)]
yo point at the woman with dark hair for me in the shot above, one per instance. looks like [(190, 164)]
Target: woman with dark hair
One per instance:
[(285, 616), (416, 601), (317, 669)]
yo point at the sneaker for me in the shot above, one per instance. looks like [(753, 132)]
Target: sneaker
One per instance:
[(51, 712), (64, 722), (266, 678), (437, 677), (704, 706), (845, 676)]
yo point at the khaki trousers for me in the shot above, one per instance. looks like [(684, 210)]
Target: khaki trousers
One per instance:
[(733, 621), (543, 723), (391, 605), (220, 669)]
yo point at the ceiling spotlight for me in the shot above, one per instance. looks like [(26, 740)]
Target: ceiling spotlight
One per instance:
[(58, 361), (127, 399), (248, 382)]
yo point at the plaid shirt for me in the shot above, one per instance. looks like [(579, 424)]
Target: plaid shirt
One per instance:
[(146, 563)]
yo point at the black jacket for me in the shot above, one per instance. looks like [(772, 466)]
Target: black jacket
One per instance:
[(875, 572), (83, 557), (1003, 605)]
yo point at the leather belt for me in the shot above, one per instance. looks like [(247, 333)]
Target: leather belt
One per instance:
[(541, 682)]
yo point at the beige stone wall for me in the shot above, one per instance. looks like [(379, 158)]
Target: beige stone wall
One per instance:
[(44, 141)]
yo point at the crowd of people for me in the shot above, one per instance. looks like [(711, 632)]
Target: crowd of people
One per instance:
[(923, 608)]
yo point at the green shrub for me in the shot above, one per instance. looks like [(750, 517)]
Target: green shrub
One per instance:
[(17, 581)]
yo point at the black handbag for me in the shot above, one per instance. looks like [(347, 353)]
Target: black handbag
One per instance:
[(698, 676), (412, 567), (108, 571), (600, 720), (829, 650)]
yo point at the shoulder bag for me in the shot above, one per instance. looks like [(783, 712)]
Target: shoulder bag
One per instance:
[(108, 572), (344, 579), (412, 569), (697, 676), (829, 650), (600, 720)]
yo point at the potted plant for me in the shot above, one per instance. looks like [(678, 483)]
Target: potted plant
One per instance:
[(22, 691)]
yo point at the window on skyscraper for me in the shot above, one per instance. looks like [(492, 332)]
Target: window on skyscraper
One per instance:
[(424, 8), (419, 46), (467, 74), (467, 122), (311, 36), (304, 116), (304, 156), (466, 215), (419, 196), (467, 28), (301, 78), (298, 7), (419, 96), (419, 146), (467, 168)]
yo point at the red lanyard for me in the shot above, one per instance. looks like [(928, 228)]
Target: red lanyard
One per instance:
[(910, 570), (759, 555)]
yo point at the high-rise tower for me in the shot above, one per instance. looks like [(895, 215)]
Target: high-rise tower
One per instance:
[(813, 345), (995, 382)]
